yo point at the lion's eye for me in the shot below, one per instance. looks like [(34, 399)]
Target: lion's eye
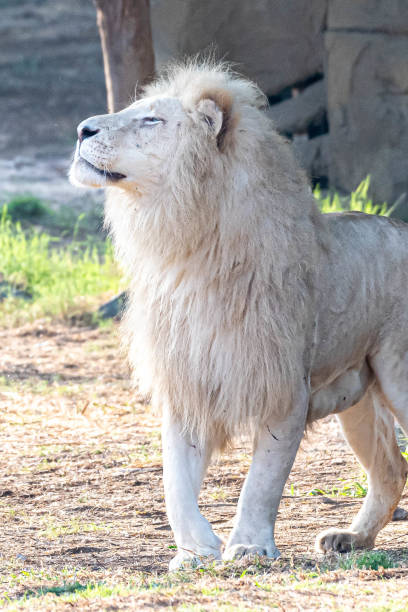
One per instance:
[(151, 121)]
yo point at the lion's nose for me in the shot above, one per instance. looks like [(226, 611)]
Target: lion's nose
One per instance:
[(85, 131)]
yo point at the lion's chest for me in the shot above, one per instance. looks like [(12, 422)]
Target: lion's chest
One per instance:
[(217, 351)]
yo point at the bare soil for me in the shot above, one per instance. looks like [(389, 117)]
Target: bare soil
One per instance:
[(51, 76), (81, 476)]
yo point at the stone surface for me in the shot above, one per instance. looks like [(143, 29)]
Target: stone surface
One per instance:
[(294, 116), (275, 42), (312, 155), (387, 16), (400, 514), (8, 290), (367, 77), (114, 308)]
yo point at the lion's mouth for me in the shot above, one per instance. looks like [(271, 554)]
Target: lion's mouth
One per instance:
[(112, 176)]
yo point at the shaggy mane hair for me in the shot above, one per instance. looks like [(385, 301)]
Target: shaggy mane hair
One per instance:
[(221, 258)]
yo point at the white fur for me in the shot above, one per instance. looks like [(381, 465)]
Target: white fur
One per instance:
[(248, 309)]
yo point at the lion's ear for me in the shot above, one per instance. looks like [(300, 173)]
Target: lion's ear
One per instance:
[(212, 114)]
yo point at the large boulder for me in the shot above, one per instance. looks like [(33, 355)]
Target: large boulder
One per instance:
[(295, 115), (313, 155), (389, 17), (367, 78), (275, 42)]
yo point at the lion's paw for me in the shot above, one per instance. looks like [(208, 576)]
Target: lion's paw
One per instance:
[(339, 540), (237, 551), (189, 560)]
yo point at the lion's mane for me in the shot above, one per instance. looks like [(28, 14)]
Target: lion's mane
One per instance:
[(221, 261)]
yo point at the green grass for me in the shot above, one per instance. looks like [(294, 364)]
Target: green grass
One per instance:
[(27, 207), (30, 210), (64, 280), (74, 591), (54, 529), (353, 488), (370, 559), (358, 200), (223, 586)]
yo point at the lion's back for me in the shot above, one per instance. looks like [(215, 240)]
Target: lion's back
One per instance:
[(374, 238), (363, 288)]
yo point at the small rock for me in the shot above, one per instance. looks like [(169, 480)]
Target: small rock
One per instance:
[(113, 308), (399, 515), (295, 115), (312, 154), (7, 290)]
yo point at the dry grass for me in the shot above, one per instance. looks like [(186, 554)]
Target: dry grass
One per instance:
[(82, 509)]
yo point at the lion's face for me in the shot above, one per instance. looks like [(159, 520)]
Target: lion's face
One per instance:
[(132, 148), (127, 147)]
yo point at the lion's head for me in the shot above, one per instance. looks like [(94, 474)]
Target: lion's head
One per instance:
[(192, 112), (129, 147)]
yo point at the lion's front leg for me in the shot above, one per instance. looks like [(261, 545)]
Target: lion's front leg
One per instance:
[(184, 466), (275, 448)]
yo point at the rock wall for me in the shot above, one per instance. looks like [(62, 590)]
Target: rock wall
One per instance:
[(275, 42), (367, 87)]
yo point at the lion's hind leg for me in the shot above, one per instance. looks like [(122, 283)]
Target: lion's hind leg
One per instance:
[(369, 429), (391, 370)]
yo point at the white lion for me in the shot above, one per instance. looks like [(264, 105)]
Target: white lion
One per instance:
[(249, 310)]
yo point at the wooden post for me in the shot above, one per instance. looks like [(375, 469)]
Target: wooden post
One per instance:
[(128, 56)]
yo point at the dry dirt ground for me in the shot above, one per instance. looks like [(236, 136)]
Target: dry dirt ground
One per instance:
[(82, 509), (51, 75)]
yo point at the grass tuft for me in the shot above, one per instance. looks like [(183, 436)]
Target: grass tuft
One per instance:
[(64, 280), (370, 560), (353, 488), (27, 207), (53, 529), (358, 200)]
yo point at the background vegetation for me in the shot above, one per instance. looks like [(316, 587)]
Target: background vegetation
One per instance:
[(57, 267)]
